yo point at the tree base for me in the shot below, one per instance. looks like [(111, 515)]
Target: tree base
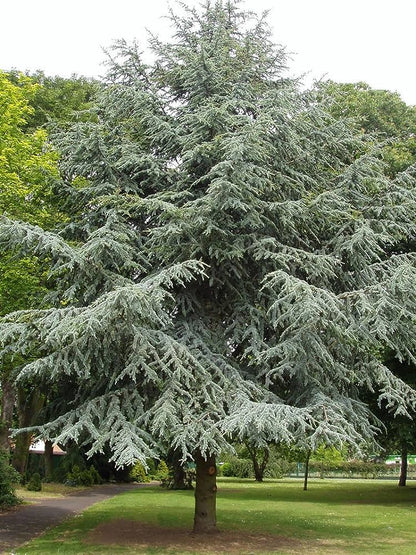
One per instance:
[(205, 495)]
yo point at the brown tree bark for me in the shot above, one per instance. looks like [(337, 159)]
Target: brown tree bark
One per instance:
[(180, 479), (305, 480), (259, 465), (403, 466), (21, 452), (28, 405), (48, 459), (205, 494), (7, 406)]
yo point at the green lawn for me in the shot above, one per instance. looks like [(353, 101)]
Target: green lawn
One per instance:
[(338, 516), (49, 490)]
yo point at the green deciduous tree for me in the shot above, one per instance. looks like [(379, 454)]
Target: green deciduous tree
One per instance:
[(29, 103), (229, 270), (56, 99), (27, 168), (25, 159), (380, 113), (399, 433)]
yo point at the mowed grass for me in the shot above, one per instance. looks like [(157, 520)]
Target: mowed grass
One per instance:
[(49, 490), (341, 516)]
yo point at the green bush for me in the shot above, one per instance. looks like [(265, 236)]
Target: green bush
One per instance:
[(95, 476), (162, 471), (354, 468), (172, 480), (151, 470), (238, 468), (84, 477), (73, 478), (138, 474), (278, 468), (60, 474), (34, 483), (8, 479)]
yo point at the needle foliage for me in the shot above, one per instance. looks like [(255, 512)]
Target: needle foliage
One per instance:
[(232, 264)]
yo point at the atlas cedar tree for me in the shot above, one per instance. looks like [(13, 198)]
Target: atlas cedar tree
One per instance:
[(230, 268)]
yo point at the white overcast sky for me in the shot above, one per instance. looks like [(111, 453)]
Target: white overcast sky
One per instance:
[(343, 40)]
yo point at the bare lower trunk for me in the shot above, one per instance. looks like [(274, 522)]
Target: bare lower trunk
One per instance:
[(205, 494), (7, 406), (48, 458), (305, 481), (259, 463), (21, 452), (29, 403), (403, 466), (180, 479)]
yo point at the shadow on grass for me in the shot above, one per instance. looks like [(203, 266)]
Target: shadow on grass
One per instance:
[(323, 491), (380, 493), (330, 510)]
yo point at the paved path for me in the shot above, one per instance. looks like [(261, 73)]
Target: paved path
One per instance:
[(28, 521)]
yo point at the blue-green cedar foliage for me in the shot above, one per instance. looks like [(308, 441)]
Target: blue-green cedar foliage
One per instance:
[(232, 266)]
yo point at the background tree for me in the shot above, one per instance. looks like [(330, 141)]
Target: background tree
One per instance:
[(227, 271), (384, 116), (27, 167), (56, 100), (399, 433), (30, 102), (379, 113)]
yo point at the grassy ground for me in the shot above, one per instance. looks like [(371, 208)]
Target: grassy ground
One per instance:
[(341, 516), (50, 490)]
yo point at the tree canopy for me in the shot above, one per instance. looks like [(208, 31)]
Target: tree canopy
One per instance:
[(230, 268), (28, 168), (383, 114)]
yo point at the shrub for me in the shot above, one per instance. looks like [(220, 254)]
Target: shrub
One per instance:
[(34, 483), (162, 471), (59, 474), (8, 479), (138, 474), (278, 468), (84, 477), (73, 478), (363, 469), (238, 468), (95, 476)]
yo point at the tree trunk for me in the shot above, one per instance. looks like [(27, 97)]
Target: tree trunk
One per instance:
[(403, 466), (7, 406), (305, 481), (29, 405), (178, 481), (258, 466), (48, 459), (179, 476), (205, 494), (21, 452)]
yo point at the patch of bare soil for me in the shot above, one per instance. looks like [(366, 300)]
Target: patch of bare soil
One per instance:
[(144, 535)]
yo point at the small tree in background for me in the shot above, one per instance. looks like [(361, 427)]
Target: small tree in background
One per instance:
[(8, 480), (229, 271)]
